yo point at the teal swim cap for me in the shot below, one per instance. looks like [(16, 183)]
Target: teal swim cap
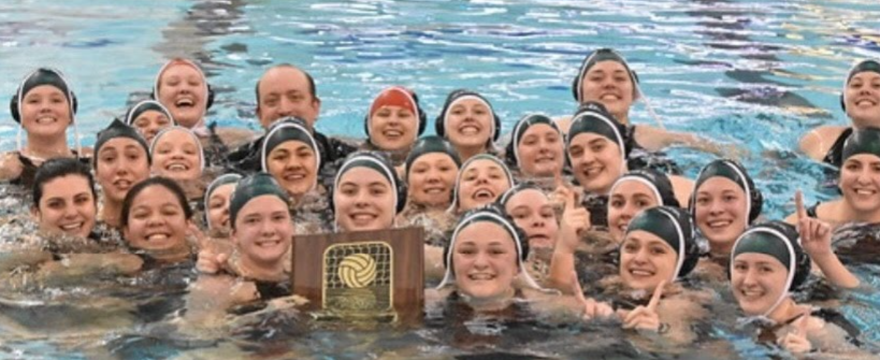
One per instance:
[(862, 141), (251, 187)]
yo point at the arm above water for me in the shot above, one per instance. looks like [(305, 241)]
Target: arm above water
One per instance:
[(84, 267), (656, 139), (818, 141)]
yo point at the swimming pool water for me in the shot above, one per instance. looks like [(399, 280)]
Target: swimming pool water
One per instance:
[(753, 73)]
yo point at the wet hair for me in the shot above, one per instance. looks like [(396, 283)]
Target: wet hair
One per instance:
[(167, 183), (60, 167), (312, 89)]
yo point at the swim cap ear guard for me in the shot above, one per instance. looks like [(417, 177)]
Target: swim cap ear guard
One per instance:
[(375, 161), (420, 114), (38, 77), (590, 60), (494, 213), (859, 67), (779, 240), (735, 172), (439, 122)]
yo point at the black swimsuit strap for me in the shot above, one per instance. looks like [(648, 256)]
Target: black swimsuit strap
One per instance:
[(834, 156)]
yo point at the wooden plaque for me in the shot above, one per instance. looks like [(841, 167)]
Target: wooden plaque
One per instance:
[(361, 274)]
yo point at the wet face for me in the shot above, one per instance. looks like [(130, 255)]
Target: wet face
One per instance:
[(757, 282), (151, 122), (67, 206), (540, 151), (646, 260), (596, 162), (45, 112), (469, 123), (532, 212), (862, 98), (294, 165), (860, 182), (721, 212), (482, 182), (176, 156), (218, 207), (364, 200), (626, 200), (431, 179), (393, 128), (609, 83), (284, 91), (263, 230), (121, 164), (484, 261), (156, 220), (183, 91)]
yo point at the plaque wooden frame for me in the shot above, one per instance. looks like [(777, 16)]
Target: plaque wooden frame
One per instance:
[(408, 258)]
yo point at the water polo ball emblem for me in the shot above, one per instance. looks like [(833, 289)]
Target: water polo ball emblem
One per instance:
[(357, 270)]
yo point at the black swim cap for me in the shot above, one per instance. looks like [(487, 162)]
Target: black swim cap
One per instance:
[(657, 181), (599, 55), (494, 214), (455, 96), (862, 66), (427, 145), (735, 172), (288, 129), (862, 141), (251, 187), (673, 225), (147, 105), (592, 117), (218, 182), (467, 163), (39, 77), (519, 131), (782, 242), (118, 129), (527, 185), (378, 163)]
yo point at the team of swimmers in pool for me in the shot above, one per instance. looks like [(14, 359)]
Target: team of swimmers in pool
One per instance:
[(585, 205)]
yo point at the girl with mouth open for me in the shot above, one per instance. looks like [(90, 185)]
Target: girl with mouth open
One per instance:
[(860, 100), (44, 106), (122, 159), (481, 181), (177, 154), (394, 123), (149, 117), (156, 219), (767, 262), (469, 122), (182, 88), (536, 148), (366, 193)]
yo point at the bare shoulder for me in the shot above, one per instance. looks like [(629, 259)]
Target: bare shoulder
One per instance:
[(816, 143), (564, 123), (10, 165), (683, 187), (234, 137)]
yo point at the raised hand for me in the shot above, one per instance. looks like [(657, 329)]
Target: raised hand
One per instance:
[(592, 308), (644, 317), (796, 340), (210, 259), (815, 234), (575, 218)]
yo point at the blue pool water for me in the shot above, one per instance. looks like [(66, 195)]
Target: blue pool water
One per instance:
[(753, 73)]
